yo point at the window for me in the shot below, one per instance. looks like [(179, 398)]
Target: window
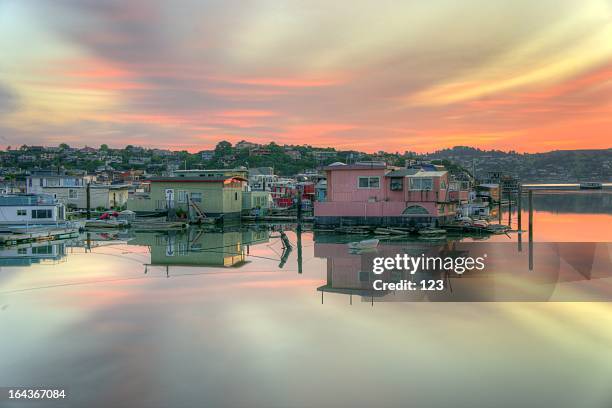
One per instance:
[(182, 196), (22, 212), (236, 196), (196, 197), (369, 182), (421, 183), (42, 213), (442, 184), (43, 250), (73, 194), (397, 184)]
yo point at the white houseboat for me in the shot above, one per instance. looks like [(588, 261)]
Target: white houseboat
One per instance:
[(30, 210)]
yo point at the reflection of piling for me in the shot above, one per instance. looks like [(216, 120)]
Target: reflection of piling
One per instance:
[(499, 207), (287, 248)]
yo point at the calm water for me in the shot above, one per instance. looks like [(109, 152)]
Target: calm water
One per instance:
[(226, 319)]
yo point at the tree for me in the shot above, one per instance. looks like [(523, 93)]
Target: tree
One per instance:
[(223, 148), (64, 146), (104, 147)]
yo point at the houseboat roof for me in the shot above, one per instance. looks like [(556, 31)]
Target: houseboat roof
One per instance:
[(402, 173), (202, 179), (358, 166), (422, 173), (26, 199), (197, 171)]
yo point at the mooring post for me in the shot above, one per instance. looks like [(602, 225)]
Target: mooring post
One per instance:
[(530, 215), (88, 200), (530, 230), (509, 208), (299, 206), (299, 247), (519, 208), (499, 205)]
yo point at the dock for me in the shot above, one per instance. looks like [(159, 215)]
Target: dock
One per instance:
[(13, 237), (275, 218)]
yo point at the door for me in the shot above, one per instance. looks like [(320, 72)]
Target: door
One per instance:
[(170, 197)]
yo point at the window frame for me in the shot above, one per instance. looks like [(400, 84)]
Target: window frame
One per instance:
[(399, 180), (47, 212), (413, 181), (369, 183)]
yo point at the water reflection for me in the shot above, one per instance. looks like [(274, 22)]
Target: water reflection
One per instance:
[(200, 248), (33, 253), (114, 336), (544, 273), (575, 202)]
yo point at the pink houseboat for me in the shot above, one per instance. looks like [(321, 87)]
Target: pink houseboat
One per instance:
[(376, 194)]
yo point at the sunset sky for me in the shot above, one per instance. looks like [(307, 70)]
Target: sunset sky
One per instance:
[(365, 75)]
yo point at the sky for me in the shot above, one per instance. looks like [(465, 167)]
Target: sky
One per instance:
[(528, 76)]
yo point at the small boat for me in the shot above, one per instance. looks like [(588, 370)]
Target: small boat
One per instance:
[(365, 244), (106, 223), (591, 185), (158, 225), (432, 232), (480, 223), (497, 228)]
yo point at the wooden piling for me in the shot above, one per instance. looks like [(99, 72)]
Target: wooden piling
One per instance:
[(88, 200), (519, 209), (530, 215), (530, 230), (509, 209), (299, 247)]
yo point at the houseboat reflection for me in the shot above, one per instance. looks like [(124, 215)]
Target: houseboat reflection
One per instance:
[(33, 253), (200, 248), (558, 270)]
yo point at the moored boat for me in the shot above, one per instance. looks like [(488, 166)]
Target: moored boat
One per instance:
[(158, 225), (432, 232), (30, 210), (106, 224), (365, 244), (591, 185)]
